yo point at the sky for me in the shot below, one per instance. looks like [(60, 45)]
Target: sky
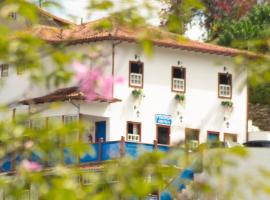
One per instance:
[(76, 9)]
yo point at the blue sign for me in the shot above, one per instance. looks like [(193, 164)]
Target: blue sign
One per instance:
[(163, 119)]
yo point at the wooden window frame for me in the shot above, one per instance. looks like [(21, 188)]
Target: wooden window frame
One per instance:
[(169, 138), (235, 136), (140, 130), (2, 70), (214, 132), (130, 85), (222, 97), (186, 129), (183, 92)]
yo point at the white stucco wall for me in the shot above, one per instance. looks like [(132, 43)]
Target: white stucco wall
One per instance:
[(202, 109)]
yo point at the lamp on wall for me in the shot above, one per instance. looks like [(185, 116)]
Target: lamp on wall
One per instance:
[(179, 64), (226, 70), (138, 113), (137, 57), (180, 117), (228, 124)]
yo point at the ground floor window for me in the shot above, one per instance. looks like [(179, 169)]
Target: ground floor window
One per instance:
[(163, 134), (192, 138), (229, 137), (134, 131), (212, 136)]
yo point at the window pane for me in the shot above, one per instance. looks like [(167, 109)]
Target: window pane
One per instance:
[(130, 128), (179, 73), (225, 79), (136, 67)]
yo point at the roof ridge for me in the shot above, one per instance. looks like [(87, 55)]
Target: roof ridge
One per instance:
[(49, 14)]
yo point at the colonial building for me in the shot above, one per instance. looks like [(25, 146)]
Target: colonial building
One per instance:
[(186, 90)]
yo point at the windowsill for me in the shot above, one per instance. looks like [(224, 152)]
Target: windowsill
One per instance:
[(221, 97)]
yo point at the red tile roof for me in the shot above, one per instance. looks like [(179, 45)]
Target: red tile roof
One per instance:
[(96, 31), (65, 94)]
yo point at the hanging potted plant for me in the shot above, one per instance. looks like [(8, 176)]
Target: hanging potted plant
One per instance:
[(180, 98), (137, 93), (228, 105)]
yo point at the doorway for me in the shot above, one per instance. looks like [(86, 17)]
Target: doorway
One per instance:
[(163, 134)]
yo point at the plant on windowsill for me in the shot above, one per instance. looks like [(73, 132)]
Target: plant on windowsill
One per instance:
[(137, 93), (180, 98), (228, 105)]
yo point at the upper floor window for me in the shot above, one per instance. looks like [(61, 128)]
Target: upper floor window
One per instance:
[(136, 74), (4, 70), (224, 85), (178, 79), (134, 131)]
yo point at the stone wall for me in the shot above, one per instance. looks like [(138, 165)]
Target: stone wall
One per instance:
[(260, 116)]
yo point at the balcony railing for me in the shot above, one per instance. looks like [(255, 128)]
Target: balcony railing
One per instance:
[(102, 151), (224, 90), (133, 137)]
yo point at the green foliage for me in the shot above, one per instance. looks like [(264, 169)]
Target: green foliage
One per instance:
[(260, 93), (137, 93), (178, 14), (251, 26), (228, 104), (180, 98)]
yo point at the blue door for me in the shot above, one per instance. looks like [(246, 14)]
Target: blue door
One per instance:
[(101, 130)]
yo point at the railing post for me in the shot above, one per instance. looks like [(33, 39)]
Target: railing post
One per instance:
[(155, 145), (13, 161), (122, 147), (100, 141)]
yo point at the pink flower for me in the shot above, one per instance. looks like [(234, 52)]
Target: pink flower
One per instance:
[(31, 166), (93, 83)]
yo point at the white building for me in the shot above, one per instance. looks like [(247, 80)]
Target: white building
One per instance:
[(202, 75)]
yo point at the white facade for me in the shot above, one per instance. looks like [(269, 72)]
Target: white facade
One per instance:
[(202, 108)]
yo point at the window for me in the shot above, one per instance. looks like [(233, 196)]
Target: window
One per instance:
[(192, 138), (163, 134), (38, 123), (70, 119), (134, 131), (212, 136), (12, 15), (178, 79), (224, 85), (229, 137), (4, 70), (136, 74)]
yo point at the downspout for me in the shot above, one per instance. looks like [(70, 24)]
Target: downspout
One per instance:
[(114, 44), (247, 136), (78, 106)]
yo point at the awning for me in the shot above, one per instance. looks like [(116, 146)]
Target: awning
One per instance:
[(65, 94)]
